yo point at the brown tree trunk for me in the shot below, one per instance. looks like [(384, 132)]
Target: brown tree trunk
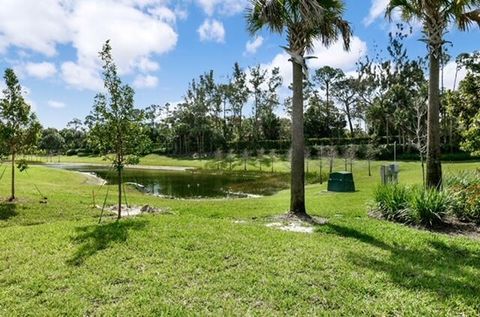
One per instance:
[(12, 198), (434, 166), (349, 118), (297, 198), (120, 181)]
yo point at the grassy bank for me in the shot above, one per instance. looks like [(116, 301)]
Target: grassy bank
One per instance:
[(280, 163), (199, 260)]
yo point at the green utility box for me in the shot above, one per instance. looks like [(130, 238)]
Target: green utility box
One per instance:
[(341, 182)]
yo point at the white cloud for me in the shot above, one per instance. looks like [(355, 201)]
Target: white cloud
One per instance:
[(164, 14), (449, 74), (334, 56), (145, 81), (35, 25), (40, 70), (253, 45), (55, 104), (80, 77), (147, 65), (138, 30), (134, 34), (224, 7), (212, 30), (377, 10)]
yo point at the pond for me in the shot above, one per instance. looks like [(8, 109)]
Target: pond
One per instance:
[(191, 183)]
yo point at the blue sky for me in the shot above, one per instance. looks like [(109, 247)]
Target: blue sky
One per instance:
[(160, 45)]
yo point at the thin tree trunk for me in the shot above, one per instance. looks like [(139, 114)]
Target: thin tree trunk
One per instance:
[(120, 180), (297, 198), (327, 90), (12, 198), (349, 118), (423, 169), (434, 166)]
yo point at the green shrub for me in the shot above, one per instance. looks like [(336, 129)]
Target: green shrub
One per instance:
[(412, 205), (428, 207), (392, 201), (464, 189)]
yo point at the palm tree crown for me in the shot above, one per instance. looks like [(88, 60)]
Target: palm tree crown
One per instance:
[(436, 15), (304, 21)]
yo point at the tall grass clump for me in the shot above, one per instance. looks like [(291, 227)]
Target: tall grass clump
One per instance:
[(392, 202), (412, 205), (428, 207)]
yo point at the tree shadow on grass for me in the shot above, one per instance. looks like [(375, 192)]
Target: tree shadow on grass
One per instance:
[(94, 238), (447, 269), (7, 211)]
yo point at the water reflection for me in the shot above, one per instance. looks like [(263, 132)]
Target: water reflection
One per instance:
[(190, 184)]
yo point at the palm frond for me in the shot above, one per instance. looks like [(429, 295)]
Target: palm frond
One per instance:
[(406, 7), (303, 20)]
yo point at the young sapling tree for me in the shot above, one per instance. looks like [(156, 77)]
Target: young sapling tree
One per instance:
[(320, 161), (273, 155), (114, 122), (307, 157), (231, 158), (351, 155), (332, 153), (19, 127), (245, 156), (219, 158), (260, 157), (371, 154)]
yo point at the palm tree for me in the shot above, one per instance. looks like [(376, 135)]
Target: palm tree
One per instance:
[(435, 15), (304, 22)]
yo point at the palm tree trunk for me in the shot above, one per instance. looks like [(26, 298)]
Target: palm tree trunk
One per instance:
[(297, 198), (12, 198), (434, 166)]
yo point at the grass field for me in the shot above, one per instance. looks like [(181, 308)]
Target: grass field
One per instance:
[(198, 260), (253, 163)]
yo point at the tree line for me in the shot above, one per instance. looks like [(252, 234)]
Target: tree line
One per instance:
[(385, 102)]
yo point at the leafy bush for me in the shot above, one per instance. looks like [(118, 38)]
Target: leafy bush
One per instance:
[(464, 188), (428, 207), (392, 201)]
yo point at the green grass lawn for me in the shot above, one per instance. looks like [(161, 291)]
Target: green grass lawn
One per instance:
[(198, 260), (253, 163)]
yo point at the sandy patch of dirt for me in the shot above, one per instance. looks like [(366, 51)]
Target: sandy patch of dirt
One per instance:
[(132, 211), (292, 227), (293, 223)]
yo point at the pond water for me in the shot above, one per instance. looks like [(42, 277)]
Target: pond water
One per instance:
[(191, 184)]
